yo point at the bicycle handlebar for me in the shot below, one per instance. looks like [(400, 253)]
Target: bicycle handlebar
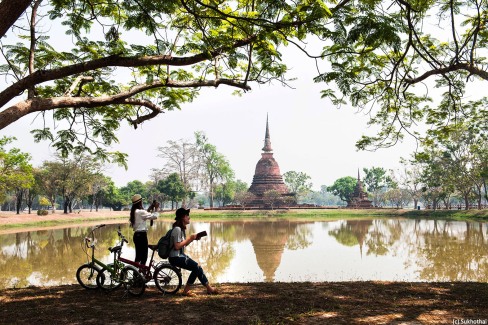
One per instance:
[(122, 237), (88, 240)]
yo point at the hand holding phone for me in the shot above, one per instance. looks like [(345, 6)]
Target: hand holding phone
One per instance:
[(201, 234)]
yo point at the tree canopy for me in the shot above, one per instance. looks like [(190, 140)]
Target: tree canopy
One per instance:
[(15, 169), (166, 51), (298, 182), (343, 188), (116, 61)]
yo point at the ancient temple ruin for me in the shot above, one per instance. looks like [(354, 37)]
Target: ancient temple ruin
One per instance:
[(267, 177), (359, 199)]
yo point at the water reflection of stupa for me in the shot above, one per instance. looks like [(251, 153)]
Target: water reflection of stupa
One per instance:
[(267, 176), (268, 241), (360, 229)]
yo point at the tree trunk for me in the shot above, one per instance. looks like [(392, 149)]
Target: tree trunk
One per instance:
[(466, 202), (20, 194), (479, 195), (66, 204), (486, 190)]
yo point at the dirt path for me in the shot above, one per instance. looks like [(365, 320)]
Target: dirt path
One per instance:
[(10, 222), (10, 217), (255, 303)]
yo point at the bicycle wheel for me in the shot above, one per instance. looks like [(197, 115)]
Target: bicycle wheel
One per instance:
[(87, 276), (107, 280), (167, 279), (133, 281)]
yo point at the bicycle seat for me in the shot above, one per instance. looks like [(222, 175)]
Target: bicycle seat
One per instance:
[(153, 247), (115, 249)]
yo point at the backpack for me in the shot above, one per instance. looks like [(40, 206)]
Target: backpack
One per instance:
[(164, 247)]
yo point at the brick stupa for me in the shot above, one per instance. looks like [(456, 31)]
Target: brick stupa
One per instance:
[(267, 175), (359, 199)]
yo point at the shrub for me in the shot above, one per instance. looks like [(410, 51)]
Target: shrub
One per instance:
[(41, 212)]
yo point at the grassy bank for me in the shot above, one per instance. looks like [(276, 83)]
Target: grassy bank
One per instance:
[(476, 215), (11, 220)]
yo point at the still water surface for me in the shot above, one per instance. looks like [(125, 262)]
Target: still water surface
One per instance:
[(280, 250)]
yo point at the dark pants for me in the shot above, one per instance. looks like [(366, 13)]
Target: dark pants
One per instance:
[(140, 242), (187, 263)]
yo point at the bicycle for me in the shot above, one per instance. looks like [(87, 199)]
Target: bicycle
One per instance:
[(168, 279), (88, 272), (116, 273), (107, 276)]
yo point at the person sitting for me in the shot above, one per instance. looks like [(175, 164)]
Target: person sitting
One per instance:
[(178, 258)]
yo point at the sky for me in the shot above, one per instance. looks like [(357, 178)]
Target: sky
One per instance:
[(308, 134)]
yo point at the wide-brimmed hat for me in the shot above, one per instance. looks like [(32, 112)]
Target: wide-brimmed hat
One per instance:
[(136, 198), (181, 212)]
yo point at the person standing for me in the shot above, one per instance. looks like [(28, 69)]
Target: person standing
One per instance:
[(138, 217), (178, 258)]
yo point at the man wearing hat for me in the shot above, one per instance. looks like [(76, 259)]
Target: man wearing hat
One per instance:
[(138, 217), (177, 256)]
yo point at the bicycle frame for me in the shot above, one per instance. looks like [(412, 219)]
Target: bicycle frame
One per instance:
[(145, 270)]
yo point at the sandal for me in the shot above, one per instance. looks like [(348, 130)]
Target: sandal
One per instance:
[(189, 294), (213, 292)]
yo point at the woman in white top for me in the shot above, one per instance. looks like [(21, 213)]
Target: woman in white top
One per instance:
[(138, 217)]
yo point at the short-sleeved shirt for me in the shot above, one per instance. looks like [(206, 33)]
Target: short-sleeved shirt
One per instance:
[(177, 235)]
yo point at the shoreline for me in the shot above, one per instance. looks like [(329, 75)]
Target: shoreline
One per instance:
[(12, 222)]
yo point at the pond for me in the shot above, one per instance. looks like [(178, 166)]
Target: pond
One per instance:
[(273, 250)]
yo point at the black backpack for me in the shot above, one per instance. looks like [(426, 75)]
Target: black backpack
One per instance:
[(164, 247)]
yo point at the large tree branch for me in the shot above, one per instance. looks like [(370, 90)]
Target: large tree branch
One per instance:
[(10, 11), (23, 108), (41, 76), (453, 67)]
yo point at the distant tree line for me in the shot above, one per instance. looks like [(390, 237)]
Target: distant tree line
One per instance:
[(449, 171)]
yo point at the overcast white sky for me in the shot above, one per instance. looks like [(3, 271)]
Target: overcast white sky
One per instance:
[(308, 134)]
